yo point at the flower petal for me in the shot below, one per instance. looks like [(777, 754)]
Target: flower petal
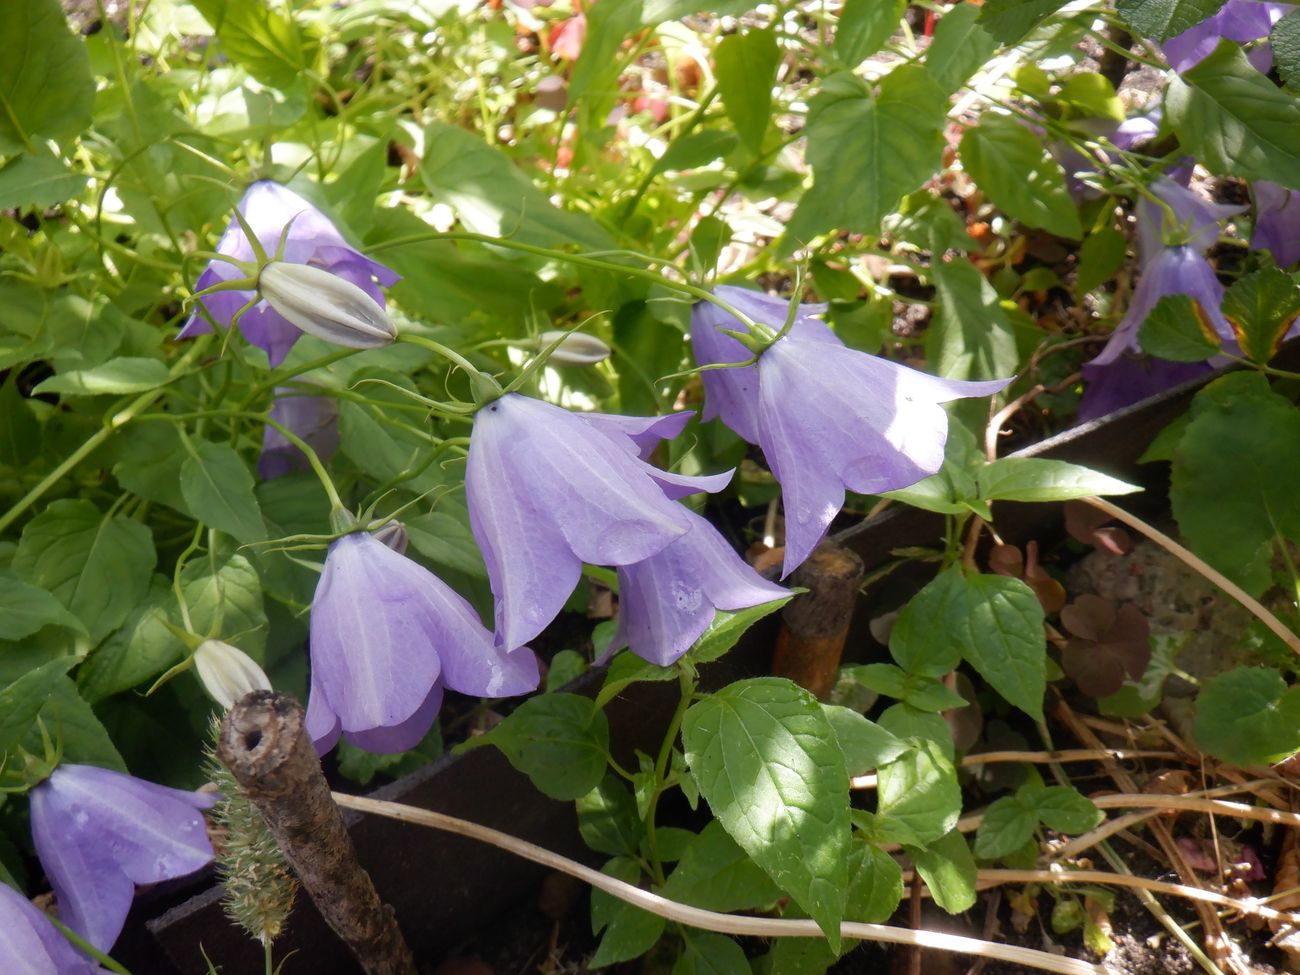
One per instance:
[(405, 735), (31, 945)]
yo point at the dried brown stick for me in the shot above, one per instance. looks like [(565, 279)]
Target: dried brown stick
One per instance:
[(815, 626), (1041, 758), (265, 746)]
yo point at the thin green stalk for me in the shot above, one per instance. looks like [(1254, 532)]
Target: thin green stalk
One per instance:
[(111, 425), (90, 949), (687, 681)]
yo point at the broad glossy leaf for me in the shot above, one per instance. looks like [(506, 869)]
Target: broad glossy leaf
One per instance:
[(1248, 716), (130, 374), (1043, 479), (706, 953), (1163, 19), (99, 567), (746, 66), (960, 45), (224, 594), (865, 744), (875, 884), (1101, 255), (918, 798), (46, 88), (558, 740), (1285, 40), (1177, 329), (1011, 20), (727, 628), (149, 462), (140, 649), (628, 931), (607, 818), (627, 669), (1011, 164), (1262, 307), (948, 869), (1235, 121), (766, 759), (25, 608), (21, 701), (864, 27), (261, 38), (969, 337), (37, 180), (218, 490), (717, 875)]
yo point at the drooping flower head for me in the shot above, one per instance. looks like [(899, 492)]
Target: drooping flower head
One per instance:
[(829, 418), (1236, 20), (31, 945), (549, 490), (1172, 271), (313, 240), (387, 636), (1277, 222), (98, 833), (1129, 379), (313, 418), (1191, 219)]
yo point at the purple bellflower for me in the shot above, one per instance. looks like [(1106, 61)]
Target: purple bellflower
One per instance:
[(1277, 222), (829, 418), (549, 490), (98, 833), (313, 418), (1236, 20), (1130, 379), (313, 240), (386, 636), (1190, 217), (31, 945)]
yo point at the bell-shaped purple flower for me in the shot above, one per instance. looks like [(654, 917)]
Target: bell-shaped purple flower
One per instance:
[(98, 833), (313, 239), (313, 418), (665, 602), (386, 636), (1192, 218), (1277, 222), (1130, 379), (1172, 271), (549, 490), (31, 945), (1236, 20), (830, 419)]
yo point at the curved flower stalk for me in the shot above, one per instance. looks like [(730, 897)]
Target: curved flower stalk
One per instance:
[(1236, 20), (1277, 222), (315, 419), (549, 490), (829, 418), (30, 944), (98, 833), (313, 240), (387, 636)]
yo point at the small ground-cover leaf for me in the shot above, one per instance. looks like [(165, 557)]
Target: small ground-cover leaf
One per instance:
[(1248, 716), (560, 741)]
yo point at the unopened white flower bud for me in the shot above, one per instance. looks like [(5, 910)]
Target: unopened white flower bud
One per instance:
[(325, 305), (577, 349), (227, 673), (393, 534)]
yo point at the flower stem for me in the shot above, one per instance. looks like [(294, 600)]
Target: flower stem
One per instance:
[(486, 388), (687, 680), (90, 949), (111, 425)]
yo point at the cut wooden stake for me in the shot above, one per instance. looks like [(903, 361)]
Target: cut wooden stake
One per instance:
[(265, 746), (815, 626)]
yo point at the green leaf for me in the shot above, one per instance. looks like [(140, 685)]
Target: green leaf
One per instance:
[(224, 594), (746, 68), (949, 870), (706, 953), (629, 931), (1178, 330), (607, 818), (960, 45), (21, 701), (1011, 20), (149, 462), (1234, 120), (916, 643), (627, 669), (40, 180), (1011, 164), (1233, 478), (1092, 95), (727, 629), (1285, 40), (494, 197), (126, 375), (1041, 479), (218, 490), (380, 437), (1163, 19), (142, 648), (558, 740), (903, 720), (20, 431), (875, 884), (867, 150), (1008, 824), (260, 38), (717, 875), (917, 796), (1261, 307), (99, 567), (864, 27), (1247, 716), (765, 758), (24, 609), (1101, 255), (969, 337), (444, 538), (924, 693), (1065, 809), (865, 744), (46, 88)]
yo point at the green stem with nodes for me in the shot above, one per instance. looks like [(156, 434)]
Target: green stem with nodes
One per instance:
[(111, 425), (581, 260), (687, 681)]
